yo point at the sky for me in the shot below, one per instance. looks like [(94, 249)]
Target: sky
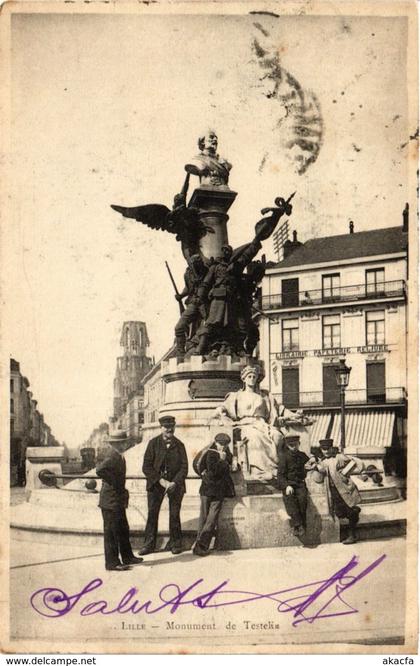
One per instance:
[(107, 109)]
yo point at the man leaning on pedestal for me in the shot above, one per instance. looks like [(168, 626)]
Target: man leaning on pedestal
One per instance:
[(216, 484), (344, 494), (293, 466), (165, 467)]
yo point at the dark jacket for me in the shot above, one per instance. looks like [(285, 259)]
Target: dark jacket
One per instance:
[(291, 468), (154, 462), (216, 479), (113, 495)]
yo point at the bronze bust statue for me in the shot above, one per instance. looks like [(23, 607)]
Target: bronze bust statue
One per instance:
[(212, 169)]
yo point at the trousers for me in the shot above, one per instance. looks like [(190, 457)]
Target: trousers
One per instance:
[(207, 523), (296, 505), (154, 501), (342, 510), (116, 537)]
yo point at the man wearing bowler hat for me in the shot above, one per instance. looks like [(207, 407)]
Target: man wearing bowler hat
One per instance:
[(344, 494), (113, 501), (165, 466), (291, 473)]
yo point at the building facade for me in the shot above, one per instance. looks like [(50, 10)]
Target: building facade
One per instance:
[(154, 390), (133, 417), (27, 424), (96, 446), (342, 297)]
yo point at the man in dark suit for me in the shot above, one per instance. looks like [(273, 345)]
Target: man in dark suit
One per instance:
[(113, 501), (165, 467), (215, 486), (291, 473)]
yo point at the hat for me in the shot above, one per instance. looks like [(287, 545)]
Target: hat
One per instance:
[(117, 436), (167, 420), (292, 439), (326, 443), (222, 438)]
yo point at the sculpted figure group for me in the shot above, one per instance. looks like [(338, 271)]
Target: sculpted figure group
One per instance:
[(219, 301), (219, 291)]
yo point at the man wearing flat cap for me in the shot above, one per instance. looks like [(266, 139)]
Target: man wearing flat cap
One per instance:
[(292, 469), (165, 466), (216, 484), (113, 501)]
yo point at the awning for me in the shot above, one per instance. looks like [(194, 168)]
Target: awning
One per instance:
[(365, 429), (320, 427)]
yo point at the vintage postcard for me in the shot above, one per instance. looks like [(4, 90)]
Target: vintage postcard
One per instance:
[(209, 327)]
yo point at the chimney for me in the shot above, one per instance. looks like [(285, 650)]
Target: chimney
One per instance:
[(291, 246), (405, 218), (351, 227)]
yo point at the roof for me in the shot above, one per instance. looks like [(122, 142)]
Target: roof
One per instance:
[(348, 246)]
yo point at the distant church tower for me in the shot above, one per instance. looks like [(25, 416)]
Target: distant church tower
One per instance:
[(132, 366)]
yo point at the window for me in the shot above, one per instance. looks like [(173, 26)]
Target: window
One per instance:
[(331, 287), (375, 281), (375, 327), (290, 293), (375, 382), (12, 386), (331, 331), (12, 406), (12, 427), (330, 388), (290, 384), (290, 334)]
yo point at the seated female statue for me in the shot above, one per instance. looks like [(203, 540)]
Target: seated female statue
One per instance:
[(260, 418)]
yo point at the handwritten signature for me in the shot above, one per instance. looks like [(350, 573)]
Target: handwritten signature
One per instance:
[(310, 602)]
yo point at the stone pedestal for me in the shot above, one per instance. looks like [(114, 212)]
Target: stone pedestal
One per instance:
[(192, 391), (261, 521), (213, 203), (39, 458)]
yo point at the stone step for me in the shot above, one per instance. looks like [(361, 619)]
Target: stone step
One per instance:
[(49, 520), (378, 494)]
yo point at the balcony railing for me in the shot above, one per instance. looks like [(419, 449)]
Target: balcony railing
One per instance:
[(358, 292), (393, 395)]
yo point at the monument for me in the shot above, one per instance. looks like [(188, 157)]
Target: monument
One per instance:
[(211, 384), (215, 339)]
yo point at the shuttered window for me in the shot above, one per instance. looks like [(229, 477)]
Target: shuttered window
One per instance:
[(290, 292), (290, 384), (330, 388), (375, 382)]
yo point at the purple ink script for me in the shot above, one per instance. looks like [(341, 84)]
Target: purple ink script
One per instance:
[(309, 602)]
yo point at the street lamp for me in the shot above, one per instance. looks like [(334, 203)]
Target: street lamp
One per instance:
[(342, 376)]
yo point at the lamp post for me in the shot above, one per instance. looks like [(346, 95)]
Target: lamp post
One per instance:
[(342, 376)]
